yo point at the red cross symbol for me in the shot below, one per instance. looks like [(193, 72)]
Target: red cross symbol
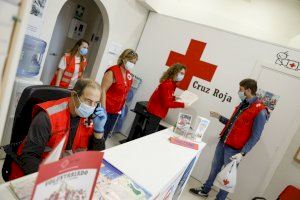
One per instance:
[(225, 182), (292, 65), (195, 67)]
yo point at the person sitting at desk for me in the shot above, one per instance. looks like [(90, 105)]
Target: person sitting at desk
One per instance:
[(52, 120), (163, 97)]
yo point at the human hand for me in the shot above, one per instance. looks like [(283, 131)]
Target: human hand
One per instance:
[(186, 105), (178, 98), (215, 114), (100, 120), (238, 157)]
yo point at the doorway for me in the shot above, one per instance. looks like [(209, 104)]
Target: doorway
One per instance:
[(262, 161), (87, 12)]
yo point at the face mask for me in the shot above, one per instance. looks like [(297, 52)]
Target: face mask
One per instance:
[(242, 95), (83, 51), (179, 77), (84, 110), (129, 65)]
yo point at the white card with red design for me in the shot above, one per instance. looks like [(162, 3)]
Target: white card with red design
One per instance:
[(55, 154), (188, 97), (73, 177)]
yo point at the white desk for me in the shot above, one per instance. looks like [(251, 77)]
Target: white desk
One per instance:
[(152, 161)]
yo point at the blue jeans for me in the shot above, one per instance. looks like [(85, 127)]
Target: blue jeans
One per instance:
[(110, 123), (221, 158)]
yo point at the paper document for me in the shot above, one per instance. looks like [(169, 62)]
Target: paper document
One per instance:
[(188, 97), (55, 153), (184, 143)]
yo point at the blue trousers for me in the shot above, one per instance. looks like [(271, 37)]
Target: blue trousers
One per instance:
[(221, 158), (110, 123)]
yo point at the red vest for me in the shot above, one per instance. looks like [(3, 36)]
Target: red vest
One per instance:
[(242, 128), (59, 115), (69, 71), (117, 93)]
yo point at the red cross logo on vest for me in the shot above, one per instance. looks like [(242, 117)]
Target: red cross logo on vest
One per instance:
[(195, 67)]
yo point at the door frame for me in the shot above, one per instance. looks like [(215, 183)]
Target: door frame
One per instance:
[(102, 44), (255, 74)]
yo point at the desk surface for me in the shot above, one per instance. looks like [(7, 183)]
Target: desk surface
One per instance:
[(151, 161)]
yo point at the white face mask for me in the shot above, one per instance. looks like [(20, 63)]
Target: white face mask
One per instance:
[(242, 95), (179, 77), (84, 110), (129, 65)]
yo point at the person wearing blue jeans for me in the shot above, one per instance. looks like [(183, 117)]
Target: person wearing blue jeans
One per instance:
[(222, 157), (241, 132), (112, 119)]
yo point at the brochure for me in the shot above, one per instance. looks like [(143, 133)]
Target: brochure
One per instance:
[(73, 177), (112, 184), (201, 124), (183, 124)]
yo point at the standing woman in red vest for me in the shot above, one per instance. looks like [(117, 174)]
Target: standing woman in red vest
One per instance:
[(71, 66), (163, 97), (116, 84)]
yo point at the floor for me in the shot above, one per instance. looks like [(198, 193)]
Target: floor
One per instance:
[(186, 195)]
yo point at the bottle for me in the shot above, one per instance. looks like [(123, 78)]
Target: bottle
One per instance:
[(31, 57)]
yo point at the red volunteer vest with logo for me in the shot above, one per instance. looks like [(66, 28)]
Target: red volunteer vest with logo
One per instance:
[(59, 115), (69, 71), (242, 128), (118, 91)]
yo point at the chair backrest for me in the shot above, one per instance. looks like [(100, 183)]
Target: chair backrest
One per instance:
[(31, 96), (290, 193)]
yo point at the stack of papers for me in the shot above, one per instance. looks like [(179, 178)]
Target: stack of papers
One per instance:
[(188, 97)]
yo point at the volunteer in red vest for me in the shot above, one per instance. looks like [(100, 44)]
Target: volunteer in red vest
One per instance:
[(71, 66), (163, 97), (241, 132), (116, 84), (52, 120)]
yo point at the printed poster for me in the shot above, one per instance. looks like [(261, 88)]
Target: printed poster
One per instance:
[(35, 22), (268, 98)]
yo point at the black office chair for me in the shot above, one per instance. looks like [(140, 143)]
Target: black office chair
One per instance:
[(31, 96)]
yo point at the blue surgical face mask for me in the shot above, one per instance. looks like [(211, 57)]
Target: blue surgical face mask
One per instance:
[(84, 110), (242, 95), (83, 51), (179, 77)]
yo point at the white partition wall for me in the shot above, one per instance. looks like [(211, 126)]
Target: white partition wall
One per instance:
[(217, 61)]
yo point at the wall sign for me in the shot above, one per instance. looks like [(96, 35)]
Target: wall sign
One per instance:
[(35, 22), (79, 12), (284, 61)]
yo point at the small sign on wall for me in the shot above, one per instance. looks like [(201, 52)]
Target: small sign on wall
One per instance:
[(77, 29), (79, 12)]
